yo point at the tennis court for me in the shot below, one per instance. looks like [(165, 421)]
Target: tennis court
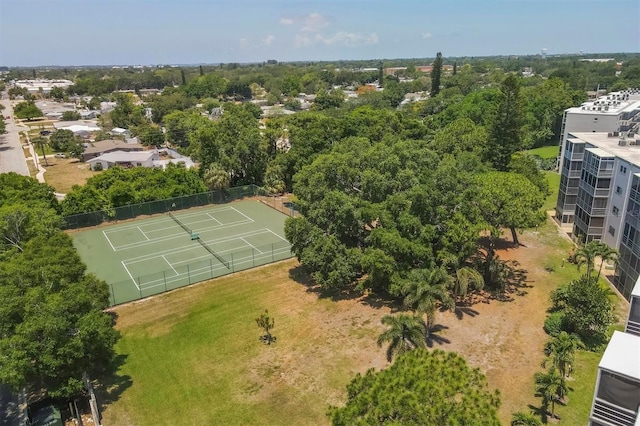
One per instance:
[(143, 257)]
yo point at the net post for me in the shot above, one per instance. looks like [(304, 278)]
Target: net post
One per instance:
[(164, 275), (232, 265), (211, 266), (253, 256), (189, 274), (139, 288), (113, 294)]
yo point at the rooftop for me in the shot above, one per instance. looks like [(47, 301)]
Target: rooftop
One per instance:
[(622, 355), (124, 156), (610, 144), (101, 146), (610, 104)]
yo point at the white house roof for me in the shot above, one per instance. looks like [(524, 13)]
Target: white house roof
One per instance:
[(82, 128), (622, 355), (118, 130), (123, 157)]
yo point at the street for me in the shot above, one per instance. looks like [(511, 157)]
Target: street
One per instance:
[(12, 157)]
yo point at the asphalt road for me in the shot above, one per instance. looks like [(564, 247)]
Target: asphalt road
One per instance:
[(12, 157)]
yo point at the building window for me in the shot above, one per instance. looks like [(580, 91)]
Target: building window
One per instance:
[(623, 169), (615, 211), (618, 190), (612, 231)]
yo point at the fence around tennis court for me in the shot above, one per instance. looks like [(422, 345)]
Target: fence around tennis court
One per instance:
[(83, 220), (205, 269)]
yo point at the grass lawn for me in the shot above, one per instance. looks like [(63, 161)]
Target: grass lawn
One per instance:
[(554, 184), (63, 173), (545, 151), (193, 356)]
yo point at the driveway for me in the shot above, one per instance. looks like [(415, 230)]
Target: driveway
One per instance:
[(12, 157)]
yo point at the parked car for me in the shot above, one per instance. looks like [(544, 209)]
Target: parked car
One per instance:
[(60, 155), (45, 132)]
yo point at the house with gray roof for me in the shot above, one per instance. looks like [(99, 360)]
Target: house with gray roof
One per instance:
[(96, 149)]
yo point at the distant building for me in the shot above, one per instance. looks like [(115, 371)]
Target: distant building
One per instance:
[(37, 85), (124, 159)]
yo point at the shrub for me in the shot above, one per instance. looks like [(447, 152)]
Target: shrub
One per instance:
[(553, 323)]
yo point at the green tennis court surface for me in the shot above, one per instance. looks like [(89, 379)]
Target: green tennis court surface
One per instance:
[(149, 256)]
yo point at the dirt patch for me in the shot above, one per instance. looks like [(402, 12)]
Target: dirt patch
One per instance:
[(63, 173)]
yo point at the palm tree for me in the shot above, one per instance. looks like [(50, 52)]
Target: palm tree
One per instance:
[(405, 332), (606, 254), (561, 351), (466, 277), (426, 290), (586, 255), (216, 177), (40, 142), (550, 386), (525, 419)]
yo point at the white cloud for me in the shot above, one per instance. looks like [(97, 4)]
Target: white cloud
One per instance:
[(311, 23), (348, 39), (302, 40), (244, 43), (426, 35), (314, 22), (268, 40)]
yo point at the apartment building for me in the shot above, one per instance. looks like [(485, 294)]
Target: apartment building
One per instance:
[(616, 112), (616, 399)]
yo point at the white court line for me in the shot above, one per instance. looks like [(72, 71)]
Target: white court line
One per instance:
[(170, 265), (214, 218), (180, 235), (176, 250), (283, 239), (130, 276), (242, 213), (109, 241), (165, 218), (142, 232), (254, 247), (207, 269)]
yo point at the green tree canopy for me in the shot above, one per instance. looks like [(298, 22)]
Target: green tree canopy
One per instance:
[(27, 110), (421, 387)]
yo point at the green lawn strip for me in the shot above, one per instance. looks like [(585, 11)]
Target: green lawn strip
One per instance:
[(581, 384), (545, 151), (554, 184)]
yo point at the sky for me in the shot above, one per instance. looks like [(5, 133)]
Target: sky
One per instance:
[(152, 32)]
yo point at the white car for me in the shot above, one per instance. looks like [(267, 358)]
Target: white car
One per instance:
[(60, 155)]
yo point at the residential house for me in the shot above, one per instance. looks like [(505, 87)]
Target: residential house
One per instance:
[(124, 159), (96, 149)]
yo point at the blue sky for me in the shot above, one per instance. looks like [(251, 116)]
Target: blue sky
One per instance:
[(93, 32)]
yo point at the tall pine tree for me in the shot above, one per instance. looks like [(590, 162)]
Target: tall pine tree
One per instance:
[(505, 136), (436, 74)]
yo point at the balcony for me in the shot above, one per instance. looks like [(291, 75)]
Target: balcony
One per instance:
[(633, 327), (574, 174), (611, 414)]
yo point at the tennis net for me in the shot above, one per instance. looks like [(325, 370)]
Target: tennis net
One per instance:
[(220, 258), (185, 227)]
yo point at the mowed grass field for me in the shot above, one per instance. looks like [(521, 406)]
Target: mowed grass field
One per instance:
[(193, 356), (545, 152)]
